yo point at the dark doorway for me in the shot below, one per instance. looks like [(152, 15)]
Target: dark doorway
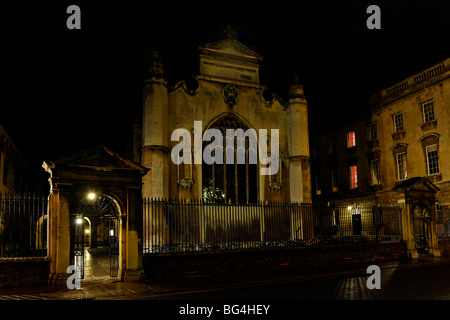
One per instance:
[(357, 224)]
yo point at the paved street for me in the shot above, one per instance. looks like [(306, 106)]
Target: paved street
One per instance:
[(429, 282), (418, 280)]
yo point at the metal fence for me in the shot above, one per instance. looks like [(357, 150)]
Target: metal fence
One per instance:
[(23, 225), (180, 226)]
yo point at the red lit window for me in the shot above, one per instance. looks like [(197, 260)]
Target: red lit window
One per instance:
[(353, 171), (351, 139)]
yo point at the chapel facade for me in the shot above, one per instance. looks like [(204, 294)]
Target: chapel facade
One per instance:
[(225, 94)]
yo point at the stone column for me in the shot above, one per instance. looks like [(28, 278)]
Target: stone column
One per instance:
[(155, 147), (59, 236), (298, 141)]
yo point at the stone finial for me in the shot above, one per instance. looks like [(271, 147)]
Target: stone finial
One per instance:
[(230, 32), (296, 90), (156, 68)]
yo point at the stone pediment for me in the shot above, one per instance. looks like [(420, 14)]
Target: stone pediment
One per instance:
[(229, 61), (417, 184), (99, 158), (230, 47)]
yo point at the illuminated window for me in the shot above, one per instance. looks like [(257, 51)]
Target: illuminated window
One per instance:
[(353, 176), (432, 159), (351, 139), (428, 111), (401, 166), (398, 122)]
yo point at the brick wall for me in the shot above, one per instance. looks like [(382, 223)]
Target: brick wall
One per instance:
[(19, 272), (271, 259)]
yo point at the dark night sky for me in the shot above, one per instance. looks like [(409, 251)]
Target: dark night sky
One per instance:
[(67, 90)]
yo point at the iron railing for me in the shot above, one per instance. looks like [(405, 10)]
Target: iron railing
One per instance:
[(182, 226), (23, 225)]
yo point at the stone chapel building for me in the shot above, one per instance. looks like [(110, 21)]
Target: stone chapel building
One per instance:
[(225, 94)]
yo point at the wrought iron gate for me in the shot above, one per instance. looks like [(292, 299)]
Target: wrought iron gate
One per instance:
[(79, 246), (421, 219), (113, 246)]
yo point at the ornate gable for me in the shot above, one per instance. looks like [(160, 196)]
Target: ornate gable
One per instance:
[(417, 184), (99, 158), (230, 48), (229, 61)]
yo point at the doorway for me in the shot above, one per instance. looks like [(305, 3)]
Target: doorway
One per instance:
[(95, 237), (421, 221)]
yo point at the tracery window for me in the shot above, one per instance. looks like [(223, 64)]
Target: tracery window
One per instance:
[(231, 182)]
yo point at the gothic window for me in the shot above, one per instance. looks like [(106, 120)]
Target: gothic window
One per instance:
[(231, 181)]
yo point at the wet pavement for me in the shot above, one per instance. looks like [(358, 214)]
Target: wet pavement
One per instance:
[(98, 285)]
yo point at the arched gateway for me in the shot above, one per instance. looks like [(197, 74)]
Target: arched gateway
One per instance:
[(115, 187)]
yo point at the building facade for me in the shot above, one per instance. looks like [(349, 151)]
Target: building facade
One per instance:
[(399, 142), (225, 95)]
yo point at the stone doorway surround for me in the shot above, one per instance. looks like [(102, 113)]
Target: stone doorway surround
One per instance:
[(418, 192), (98, 170)]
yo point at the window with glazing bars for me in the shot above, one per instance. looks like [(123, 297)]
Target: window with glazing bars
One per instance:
[(351, 139), (353, 172), (432, 159), (401, 166), (428, 111), (398, 122), (375, 171), (373, 134)]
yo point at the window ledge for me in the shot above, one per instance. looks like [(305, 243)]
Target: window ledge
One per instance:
[(373, 143), (429, 125), (351, 150), (435, 177), (399, 135), (376, 187)]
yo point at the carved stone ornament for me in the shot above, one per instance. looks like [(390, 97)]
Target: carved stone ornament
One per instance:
[(230, 94), (276, 185), (185, 183)]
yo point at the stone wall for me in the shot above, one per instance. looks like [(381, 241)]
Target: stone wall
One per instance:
[(20, 272), (271, 259), (444, 247)]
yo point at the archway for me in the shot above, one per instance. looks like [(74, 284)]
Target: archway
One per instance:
[(95, 235), (117, 182)]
